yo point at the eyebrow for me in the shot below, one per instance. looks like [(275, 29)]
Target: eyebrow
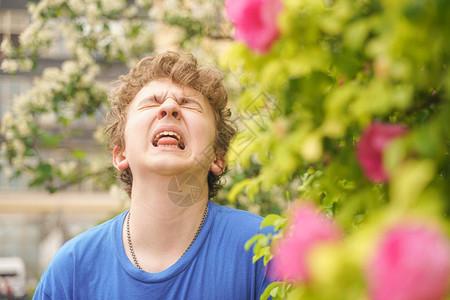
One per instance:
[(164, 95), (193, 99)]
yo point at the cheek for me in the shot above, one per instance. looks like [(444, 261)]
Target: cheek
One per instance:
[(206, 133)]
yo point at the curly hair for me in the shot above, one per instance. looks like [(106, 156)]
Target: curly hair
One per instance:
[(182, 69)]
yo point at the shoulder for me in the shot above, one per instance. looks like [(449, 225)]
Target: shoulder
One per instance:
[(231, 230), (235, 215), (93, 237), (83, 246), (58, 278), (240, 223)]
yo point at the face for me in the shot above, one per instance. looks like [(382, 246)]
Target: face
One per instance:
[(169, 130)]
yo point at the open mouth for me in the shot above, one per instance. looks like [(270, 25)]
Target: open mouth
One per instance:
[(168, 139)]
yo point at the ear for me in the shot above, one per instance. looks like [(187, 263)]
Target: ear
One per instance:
[(119, 159), (218, 166)]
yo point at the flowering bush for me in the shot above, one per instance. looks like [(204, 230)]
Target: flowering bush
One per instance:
[(339, 66), (255, 21), (370, 149), (412, 262)]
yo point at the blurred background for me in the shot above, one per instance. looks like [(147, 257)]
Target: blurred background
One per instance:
[(33, 222)]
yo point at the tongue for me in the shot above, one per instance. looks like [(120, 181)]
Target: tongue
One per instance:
[(167, 141)]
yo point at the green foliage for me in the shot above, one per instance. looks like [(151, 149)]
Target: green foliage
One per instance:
[(261, 247), (276, 290), (337, 67)]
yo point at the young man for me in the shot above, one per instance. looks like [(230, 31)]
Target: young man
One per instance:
[(169, 132)]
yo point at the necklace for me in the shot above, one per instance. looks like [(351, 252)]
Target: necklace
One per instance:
[(130, 245)]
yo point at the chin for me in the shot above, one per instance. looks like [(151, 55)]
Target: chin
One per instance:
[(169, 167)]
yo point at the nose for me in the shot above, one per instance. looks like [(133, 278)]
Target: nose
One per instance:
[(169, 108)]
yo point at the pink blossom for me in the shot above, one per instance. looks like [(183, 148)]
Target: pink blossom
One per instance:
[(412, 263), (255, 21), (370, 148), (308, 229)]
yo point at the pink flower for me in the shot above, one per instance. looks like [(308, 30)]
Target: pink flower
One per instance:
[(370, 148), (412, 263), (308, 229), (255, 21)]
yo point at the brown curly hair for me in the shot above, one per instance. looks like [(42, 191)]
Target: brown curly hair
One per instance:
[(182, 69)]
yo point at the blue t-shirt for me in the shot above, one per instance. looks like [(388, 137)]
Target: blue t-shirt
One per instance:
[(93, 265)]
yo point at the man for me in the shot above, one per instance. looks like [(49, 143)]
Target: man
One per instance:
[(169, 130)]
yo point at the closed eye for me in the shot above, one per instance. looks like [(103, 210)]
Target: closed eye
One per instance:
[(150, 101), (191, 104)]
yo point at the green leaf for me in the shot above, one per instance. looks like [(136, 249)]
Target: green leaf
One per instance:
[(252, 190), (232, 195), (253, 240), (268, 291), (274, 292), (267, 255), (50, 140), (78, 154), (273, 220)]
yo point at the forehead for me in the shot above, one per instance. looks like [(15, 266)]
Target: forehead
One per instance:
[(165, 87)]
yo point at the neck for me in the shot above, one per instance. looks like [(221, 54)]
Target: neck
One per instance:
[(160, 229)]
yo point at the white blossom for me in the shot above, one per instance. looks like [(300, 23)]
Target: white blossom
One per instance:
[(93, 14), (23, 127), (83, 56), (69, 68), (88, 77), (67, 113), (6, 46), (77, 6), (36, 9), (20, 104), (54, 2), (67, 168), (28, 35), (9, 65), (45, 35), (9, 134), (155, 12), (18, 146), (202, 10), (71, 34), (7, 121), (41, 100), (25, 64), (32, 10), (171, 5), (112, 5), (50, 74), (35, 35), (144, 3), (79, 102), (130, 11)]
